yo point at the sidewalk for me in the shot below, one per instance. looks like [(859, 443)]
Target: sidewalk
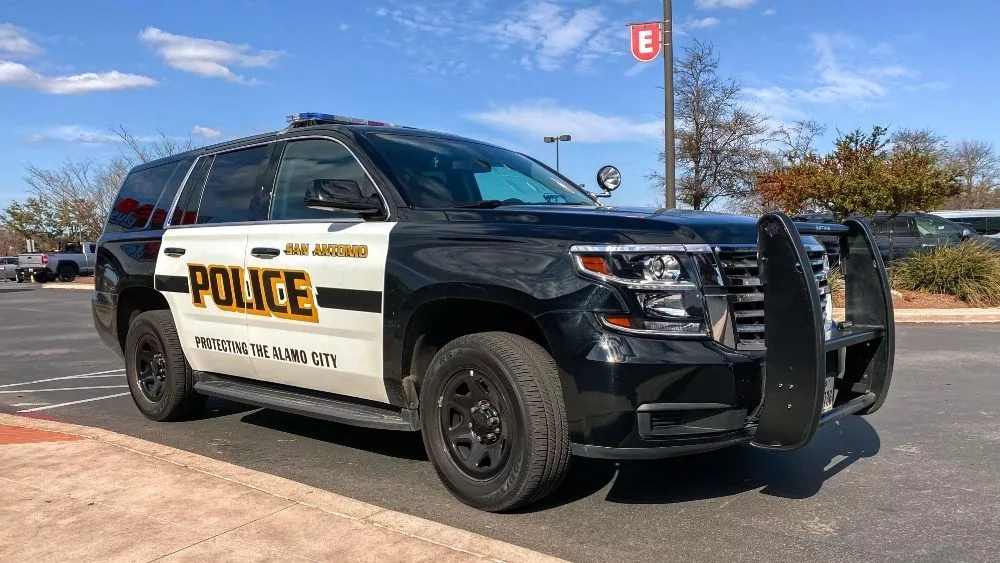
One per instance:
[(75, 493)]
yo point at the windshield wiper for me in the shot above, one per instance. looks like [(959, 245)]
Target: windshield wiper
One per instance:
[(484, 204)]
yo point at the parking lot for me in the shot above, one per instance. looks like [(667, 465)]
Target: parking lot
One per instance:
[(918, 480)]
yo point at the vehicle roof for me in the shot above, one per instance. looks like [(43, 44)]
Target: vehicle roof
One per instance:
[(968, 213), (349, 129)]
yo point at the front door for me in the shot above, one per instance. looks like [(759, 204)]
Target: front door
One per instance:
[(322, 272), (200, 269)]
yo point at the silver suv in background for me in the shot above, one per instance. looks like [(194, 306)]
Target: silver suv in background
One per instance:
[(984, 221)]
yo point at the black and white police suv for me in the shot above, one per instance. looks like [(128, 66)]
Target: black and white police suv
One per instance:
[(408, 280)]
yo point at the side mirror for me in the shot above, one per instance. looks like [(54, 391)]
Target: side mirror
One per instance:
[(343, 195), (966, 234), (608, 178)]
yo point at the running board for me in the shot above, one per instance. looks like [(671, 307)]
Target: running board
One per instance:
[(313, 404)]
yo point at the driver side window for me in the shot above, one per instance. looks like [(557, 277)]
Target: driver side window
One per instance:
[(305, 161)]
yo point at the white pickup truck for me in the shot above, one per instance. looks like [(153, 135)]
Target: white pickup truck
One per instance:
[(75, 259)]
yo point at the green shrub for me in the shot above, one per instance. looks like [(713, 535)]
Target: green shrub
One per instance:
[(969, 271)]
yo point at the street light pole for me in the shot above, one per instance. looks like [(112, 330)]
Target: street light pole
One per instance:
[(668, 104), (556, 141)]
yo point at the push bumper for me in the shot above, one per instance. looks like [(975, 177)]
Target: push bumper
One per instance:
[(640, 398)]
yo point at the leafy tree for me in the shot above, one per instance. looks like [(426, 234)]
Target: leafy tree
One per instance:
[(865, 174)]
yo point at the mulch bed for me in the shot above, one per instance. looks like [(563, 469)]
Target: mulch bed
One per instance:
[(916, 300)]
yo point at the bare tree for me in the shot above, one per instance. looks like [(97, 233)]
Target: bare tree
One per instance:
[(798, 141), (978, 165), (72, 200), (720, 142), (923, 140)]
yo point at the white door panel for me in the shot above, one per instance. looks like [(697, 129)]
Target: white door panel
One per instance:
[(214, 337), (333, 339)]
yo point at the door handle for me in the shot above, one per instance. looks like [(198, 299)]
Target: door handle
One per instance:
[(174, 252), (264, 252)]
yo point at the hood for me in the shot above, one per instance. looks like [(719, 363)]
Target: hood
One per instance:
[(640, 224)]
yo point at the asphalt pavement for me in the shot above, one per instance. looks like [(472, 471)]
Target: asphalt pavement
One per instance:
[(919, 480)]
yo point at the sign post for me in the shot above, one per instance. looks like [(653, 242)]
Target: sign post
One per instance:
[(647, 40)]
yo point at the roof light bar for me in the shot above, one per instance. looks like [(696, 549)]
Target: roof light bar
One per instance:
[(314, 118)]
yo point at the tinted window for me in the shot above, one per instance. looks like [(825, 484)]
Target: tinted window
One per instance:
[(186, 210), (167, 197), (302, 163), (900, 226), (231, 186), (440, 172), (137, 198)]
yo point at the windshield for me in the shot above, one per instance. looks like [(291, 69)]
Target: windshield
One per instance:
[(435, 172)]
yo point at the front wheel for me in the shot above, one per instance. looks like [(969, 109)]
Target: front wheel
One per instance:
[(158, 375), (494, 422)]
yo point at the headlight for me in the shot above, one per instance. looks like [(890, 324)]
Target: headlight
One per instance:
[(660, 281)]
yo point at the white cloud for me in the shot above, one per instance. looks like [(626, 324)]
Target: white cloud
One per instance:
[(205, 132), (544, 117), (550, 34), (700, 23), (713, 4), (74, 134), (839, 77), (16, 74), (381, 12), (207, 57), (15, 44), (344, 27), (769, 12)]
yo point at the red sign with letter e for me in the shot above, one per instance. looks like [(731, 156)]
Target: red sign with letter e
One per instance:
[(646, 41)]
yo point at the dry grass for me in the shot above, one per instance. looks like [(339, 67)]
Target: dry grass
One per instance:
[(969, 271)]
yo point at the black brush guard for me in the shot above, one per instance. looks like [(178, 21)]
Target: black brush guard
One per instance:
[(798, 345)]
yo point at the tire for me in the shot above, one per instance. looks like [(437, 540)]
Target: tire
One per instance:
[(158, 374), (42, 277), (522, 424), (66, 273)]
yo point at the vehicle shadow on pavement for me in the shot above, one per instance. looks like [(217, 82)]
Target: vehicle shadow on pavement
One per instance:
[(404, 445), (794, 475)]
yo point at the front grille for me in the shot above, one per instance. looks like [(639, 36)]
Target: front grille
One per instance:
[(741, 276)]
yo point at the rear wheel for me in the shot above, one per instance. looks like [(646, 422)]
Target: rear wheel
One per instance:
[(494, 422), (158, 375), (66, 273), (41, 277)]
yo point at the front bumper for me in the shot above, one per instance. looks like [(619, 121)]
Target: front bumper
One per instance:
[(631, 398)]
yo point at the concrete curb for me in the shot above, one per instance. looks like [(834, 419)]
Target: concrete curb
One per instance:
[(77, 286), (426, 530), (958, 316)]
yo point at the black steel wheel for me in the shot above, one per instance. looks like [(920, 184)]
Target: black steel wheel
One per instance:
[(476, 420), (493, 420), (150, 367), (66, 273), (158, 375)]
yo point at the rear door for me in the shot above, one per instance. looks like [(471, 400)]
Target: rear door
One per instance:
[(896, 238), (202, 257), (319, 324)]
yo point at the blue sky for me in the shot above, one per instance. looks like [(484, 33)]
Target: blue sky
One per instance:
[(504, 71)]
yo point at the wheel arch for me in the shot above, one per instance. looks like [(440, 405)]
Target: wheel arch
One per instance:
[(438, 315), (131, 302)]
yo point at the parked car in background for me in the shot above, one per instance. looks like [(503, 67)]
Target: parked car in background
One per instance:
[(985, 222), (8, 268), (907, 232), (75, 259)]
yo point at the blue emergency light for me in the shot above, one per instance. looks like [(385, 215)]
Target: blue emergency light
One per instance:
[(315, 118)]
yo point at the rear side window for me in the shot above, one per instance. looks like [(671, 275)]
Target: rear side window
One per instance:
[(138, 198), (167, 198), (231, 189)]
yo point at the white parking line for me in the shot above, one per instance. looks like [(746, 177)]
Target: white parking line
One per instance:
[(81, 376), (66, 389), (73, 403), (28, 404)]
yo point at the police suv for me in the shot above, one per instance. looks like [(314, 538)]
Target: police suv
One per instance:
[(408, 280)]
